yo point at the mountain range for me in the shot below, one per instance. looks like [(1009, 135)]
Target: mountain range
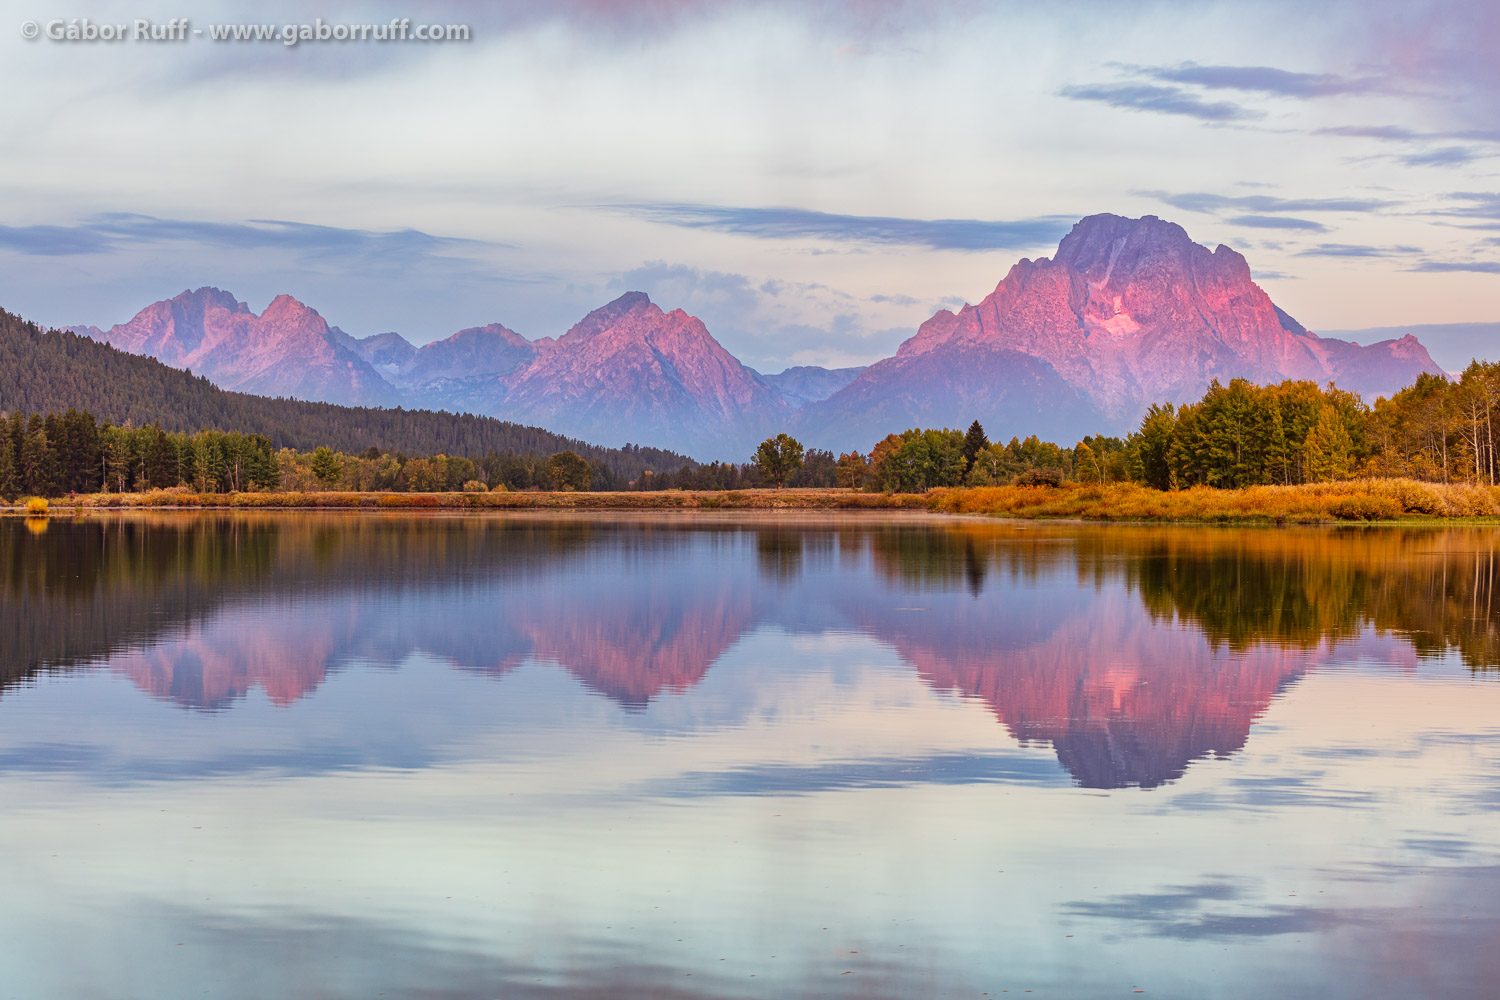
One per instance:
[(52, 371), (1128, 312)]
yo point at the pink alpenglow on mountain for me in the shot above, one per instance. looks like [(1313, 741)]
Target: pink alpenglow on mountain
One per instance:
[(288, 350), (629, 372), (1129, 312)]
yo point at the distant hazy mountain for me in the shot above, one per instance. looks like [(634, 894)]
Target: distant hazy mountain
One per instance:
[(387, 352), (1129, 312), (1009, 392), (481, 350), (49, 372), (287, 350), (1452, 345), (809, 383)]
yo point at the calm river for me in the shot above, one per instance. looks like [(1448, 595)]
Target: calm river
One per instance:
[(329, 756)]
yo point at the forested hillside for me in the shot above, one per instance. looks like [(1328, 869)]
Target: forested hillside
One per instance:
[(50, 372)]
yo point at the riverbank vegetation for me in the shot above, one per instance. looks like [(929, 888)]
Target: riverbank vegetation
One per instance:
[(53, 372), (1238, 435), (757, 499), (1361, 500), (1293, 451), (1350, 500), (63, 454)]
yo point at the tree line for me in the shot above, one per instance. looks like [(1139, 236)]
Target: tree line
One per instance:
[(63, 453), (1237, 435), (56, 371), (1241, 434), (158, 427)]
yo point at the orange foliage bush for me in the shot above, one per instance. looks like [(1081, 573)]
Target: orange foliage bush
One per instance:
[(1360, 499)]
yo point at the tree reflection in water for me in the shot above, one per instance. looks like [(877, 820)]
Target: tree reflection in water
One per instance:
[(1132, 651)]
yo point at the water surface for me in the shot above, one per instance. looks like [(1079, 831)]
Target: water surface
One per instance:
[(696, 757)]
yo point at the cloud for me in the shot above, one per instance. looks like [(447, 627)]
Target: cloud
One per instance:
[(1179, 913), (1204, 201), (1390, 133), (52, 241), (1277, 222), (114, 231), (1477, 266), (794, 223), (1446, 50), (603, 23), (1263, 80), (1354, 250), (1432, 155), (1482, 207), (1164, 100), (1444, 156), (935, 769), (1154, 905), (770, 324), (674, 285)]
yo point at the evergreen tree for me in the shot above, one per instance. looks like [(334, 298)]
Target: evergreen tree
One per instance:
[(974, 443), (119, 459), (12, 432), (10, 481), (326, 466), (38, 460), (208, 462), (1329, 448), (159, 459), (1152, 446)]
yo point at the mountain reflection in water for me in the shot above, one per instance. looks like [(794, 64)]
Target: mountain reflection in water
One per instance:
[(1131, 651)]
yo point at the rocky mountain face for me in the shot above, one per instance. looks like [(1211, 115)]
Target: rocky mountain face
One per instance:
[(629, 372), (1129, 312), (287, 350)]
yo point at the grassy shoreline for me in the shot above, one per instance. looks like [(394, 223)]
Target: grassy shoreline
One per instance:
[(1362, 500), (790, 499), (1358, 500)]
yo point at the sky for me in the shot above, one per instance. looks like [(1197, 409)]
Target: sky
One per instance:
[(812, 179)]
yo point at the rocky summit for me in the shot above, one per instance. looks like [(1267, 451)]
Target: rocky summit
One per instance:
[(287, 350), (630, 370), (1129, 312)]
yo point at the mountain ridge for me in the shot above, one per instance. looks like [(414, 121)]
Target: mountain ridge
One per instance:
[(1126, 313), (1129, 312), (52, 371)]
